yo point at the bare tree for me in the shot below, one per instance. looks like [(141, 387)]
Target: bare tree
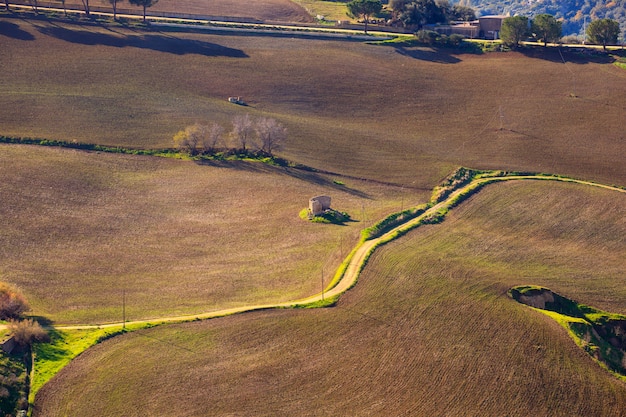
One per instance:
[(12, 302), (242, 130), (271, 133), (212, 137), (28, 331), (86, 7), (189, 138), (114, 4)]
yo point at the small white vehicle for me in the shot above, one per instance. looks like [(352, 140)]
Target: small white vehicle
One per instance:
[(236, 100)]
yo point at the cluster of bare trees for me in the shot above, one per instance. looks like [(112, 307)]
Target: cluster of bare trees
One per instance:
[(262, 134)]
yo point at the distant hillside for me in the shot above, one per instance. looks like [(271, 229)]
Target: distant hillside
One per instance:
[(572, 12)]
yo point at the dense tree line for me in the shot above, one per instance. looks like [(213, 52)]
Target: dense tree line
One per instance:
[(575, 15), (414, 14), (546, 28)]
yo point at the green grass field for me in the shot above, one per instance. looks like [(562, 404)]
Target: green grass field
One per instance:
[(428, 330), (429, 327)]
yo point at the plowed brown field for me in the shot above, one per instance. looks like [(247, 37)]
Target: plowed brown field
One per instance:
[(81, 229), (406, 115), (428, 330)]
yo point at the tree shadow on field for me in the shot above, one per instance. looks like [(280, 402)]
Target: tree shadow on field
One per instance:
[(310, 177), (572, 55), (12, 30), (155, 42), (429, 54)]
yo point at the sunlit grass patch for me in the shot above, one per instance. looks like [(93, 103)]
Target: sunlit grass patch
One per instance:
[(330, 10), (64, 346)]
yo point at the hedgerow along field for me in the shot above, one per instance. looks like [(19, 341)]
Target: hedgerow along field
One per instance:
[(428, 330)]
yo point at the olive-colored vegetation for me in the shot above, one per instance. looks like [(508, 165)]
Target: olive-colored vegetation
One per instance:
[(429, 327), (13, 384)]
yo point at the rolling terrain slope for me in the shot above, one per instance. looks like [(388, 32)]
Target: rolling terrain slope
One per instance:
[(81, 229), (350, 107), (428, 330)]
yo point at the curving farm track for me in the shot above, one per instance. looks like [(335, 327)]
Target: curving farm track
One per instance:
[(356, 260)]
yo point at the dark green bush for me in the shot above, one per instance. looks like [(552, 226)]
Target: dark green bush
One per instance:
[(332, 217)]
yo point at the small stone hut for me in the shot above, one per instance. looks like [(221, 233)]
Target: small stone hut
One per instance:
[(319, 204), (8, 344)]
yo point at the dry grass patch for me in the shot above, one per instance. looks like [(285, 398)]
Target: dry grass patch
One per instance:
[(178, 237), (428, 328), (331, 10)]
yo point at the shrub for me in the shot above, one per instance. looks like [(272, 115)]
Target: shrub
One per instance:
[(26, 332), (12, 302), (455, 39), (332, 216), (571, 39), (436, 217), (428, 37), (454, 181), (392, 221)]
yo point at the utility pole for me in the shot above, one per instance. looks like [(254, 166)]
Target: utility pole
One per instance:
[(123, 309), (341, 247)]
